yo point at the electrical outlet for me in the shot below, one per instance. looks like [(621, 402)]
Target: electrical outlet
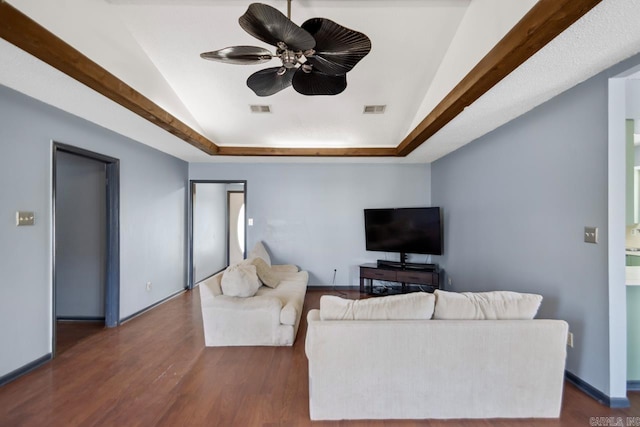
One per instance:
[(570, 339), (450, 281), (148, 286)]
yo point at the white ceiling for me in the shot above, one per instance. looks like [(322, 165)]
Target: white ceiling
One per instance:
[(421, 49)]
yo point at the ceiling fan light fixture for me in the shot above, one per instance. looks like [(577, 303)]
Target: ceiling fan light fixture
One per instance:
[(289, 59)]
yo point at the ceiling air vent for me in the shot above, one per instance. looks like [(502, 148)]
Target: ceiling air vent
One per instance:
[(374, 109), (260, 108)]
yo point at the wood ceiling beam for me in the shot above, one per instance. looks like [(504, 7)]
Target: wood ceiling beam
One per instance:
[(546, 20), (23, 32), (307, 152)]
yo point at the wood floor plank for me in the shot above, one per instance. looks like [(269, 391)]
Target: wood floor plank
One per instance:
[(155, 371)]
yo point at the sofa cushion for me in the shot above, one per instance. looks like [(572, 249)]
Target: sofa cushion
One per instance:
[(265, 273), (240, 280), (412, 306), (497, 305), (259, 251)]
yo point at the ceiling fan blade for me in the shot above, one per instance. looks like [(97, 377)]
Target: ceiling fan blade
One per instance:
[(267, 82), (338, 49), (271, 26), (239, 55), (317, 83)]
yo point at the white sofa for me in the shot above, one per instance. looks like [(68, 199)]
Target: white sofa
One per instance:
[(271, 317), (415, 369)]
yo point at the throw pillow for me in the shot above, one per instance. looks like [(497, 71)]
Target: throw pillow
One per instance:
[(497, 305), (240, 280), (412, 306), (259, 251), (265, 273)]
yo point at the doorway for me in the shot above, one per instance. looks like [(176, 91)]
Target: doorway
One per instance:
[(85, 245), (624, 329), (217, 227)]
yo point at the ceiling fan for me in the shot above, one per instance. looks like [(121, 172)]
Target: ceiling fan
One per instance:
[(315, 57)]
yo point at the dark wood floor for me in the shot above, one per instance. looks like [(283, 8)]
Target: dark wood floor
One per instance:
[(68, 334), (155, 370)]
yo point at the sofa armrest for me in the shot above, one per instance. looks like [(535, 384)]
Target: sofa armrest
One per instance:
[(313, 316), (210, 287), (285, 268)]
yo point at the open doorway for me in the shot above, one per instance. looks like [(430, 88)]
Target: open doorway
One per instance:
[(624, 280), (217, 227), (85, 245)]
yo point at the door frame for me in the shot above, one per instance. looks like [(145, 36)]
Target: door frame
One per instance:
[(112, 267), (192, 188)]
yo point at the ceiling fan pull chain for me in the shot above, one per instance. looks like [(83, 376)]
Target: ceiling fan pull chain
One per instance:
[(289, 9)]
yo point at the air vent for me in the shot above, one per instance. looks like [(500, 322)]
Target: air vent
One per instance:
[(374, 109), (260, 108)]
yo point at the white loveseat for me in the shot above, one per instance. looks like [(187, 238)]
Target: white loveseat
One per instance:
[(414, 369), (270, 317)]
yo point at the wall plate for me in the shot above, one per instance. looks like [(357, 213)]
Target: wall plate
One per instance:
[(591, 234), (25, 218)]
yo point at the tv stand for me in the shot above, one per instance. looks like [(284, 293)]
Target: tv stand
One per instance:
[(409, 278), (383, 263)]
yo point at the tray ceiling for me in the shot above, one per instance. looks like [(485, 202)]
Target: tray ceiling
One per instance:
[(421, 50)]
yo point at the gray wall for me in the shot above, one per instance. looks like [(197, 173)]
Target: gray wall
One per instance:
[(516, 202), (152, 216), (209, 229), (311, 214), (81, 227)]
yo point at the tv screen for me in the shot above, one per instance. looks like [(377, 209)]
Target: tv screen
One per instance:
[(408, 230)]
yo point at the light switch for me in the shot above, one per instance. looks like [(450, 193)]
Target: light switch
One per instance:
[(25, 218), (250, 222), (591, 234)]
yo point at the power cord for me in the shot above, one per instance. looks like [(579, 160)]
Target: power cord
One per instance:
[(333, 284), (422, 289)]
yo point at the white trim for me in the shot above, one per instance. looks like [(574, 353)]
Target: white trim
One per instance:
[(616, 241)]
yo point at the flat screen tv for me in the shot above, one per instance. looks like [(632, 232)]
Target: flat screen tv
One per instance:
[(404, 230)]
